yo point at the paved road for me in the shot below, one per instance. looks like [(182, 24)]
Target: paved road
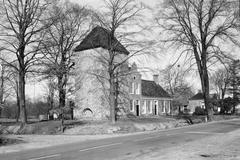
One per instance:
[(126, 145)]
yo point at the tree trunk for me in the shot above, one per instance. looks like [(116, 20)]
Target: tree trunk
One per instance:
[(61, 92), (2, 89), (112, 100), (203, 72), (18, 109), (22, 102), (116, 100), (17, 99), (205, 89), (62, 98)]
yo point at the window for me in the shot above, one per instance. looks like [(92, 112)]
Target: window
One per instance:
[(167, 106), (131, 105), (163, 106), (132, 88), (144, 107), (148, 106), (151, 104), (203, 105), (138, 88)]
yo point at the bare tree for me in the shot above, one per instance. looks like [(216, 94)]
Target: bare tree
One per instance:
[(197, 27), (220, 81), (234, 79), (14, 85), (4, 89), (115, 18), (20, 32), (174, 81), (70, 24), (6, 85), (173, 78)]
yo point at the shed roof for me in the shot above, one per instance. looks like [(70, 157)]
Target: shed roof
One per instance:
[(151, 89), (99, 37)]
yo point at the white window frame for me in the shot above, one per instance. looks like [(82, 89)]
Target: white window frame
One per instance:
[(144, 107), (169, 106), (202, 105), (138, 88), (132, 89), (164, 105), (132, 106), (151, 107)]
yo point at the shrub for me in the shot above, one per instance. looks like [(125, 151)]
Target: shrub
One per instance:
[(228, 105), (199, 111)]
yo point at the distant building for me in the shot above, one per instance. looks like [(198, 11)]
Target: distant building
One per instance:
[(142, 97), (196, 101)]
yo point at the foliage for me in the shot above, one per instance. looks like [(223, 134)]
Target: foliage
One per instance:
[(34, 109), (173, 80), (200, 111), (228, 105), (220, 81), (234, 81)]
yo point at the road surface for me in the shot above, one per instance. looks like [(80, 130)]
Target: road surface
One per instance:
[(117, 147)]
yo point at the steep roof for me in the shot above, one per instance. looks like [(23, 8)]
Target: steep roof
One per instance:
[(99, 37), (198, 96), (151, 89)]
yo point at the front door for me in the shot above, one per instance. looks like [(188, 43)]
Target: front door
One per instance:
[(137, 108), (155, 107)]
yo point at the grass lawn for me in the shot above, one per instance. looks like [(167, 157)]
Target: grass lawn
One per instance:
[(98, 127)]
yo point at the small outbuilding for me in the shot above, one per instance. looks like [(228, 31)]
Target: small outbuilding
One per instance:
[(196, 101)]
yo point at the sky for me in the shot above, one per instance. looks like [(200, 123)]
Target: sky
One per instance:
[(164, 57)]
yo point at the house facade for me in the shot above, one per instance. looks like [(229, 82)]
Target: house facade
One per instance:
[(141, 97), (147, 98)]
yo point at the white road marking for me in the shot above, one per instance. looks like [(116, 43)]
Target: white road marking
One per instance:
[(97, 147), (203, 133), (45, 157)]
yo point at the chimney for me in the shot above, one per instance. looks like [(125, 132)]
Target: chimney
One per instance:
[(155, 78)]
